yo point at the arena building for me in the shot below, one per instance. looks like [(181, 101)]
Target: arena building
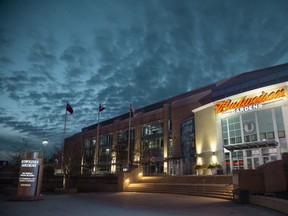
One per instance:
[(240, 122)]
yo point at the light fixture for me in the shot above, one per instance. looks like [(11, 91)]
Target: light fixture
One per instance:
[(45, 142)]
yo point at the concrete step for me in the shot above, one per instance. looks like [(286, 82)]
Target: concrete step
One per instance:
[(221, 191), (216, 195), (215, 179), (151, 179)]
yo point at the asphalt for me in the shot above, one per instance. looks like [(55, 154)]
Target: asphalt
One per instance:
[(128, 203)]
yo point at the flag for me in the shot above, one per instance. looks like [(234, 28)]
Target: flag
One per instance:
[(69, 108), (132, 110), (101, 108)]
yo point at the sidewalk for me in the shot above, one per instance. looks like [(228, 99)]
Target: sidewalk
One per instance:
[(121, 204)]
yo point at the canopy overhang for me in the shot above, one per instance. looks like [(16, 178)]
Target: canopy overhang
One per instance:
[(251, 145)]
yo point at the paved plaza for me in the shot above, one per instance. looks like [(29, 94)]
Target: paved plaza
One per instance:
[(86, 204)]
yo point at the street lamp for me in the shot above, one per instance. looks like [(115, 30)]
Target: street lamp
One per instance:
[(44, 142)]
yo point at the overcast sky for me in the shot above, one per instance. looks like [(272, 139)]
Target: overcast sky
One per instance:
[(117, 51)]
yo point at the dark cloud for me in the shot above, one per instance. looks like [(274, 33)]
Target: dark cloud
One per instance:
[(115, 52), (40, 54), (5, 61), (74, 55)]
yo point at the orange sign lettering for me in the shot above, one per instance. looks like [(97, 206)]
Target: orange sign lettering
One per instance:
[(225, 105)]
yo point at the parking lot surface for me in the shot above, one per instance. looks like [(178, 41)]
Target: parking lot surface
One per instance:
[(86, 204)]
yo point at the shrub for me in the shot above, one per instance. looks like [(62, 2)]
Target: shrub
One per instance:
[(214, 165), (199, 166)]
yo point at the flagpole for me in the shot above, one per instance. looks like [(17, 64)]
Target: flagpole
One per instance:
[(129, 131), (65, 125), (62, 152), (97, 141)]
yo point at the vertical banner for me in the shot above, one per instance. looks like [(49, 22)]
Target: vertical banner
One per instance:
[(30, 176)]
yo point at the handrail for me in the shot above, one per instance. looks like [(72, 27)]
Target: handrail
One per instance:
[(229, 191)]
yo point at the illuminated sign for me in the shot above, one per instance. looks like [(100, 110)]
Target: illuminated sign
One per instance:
[(247, 103), (30, 176)]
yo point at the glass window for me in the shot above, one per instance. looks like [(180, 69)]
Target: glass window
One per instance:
[(249, 127), (169, 125), (279, 122), (270, 135), (265, 151), (265, 122), (152, 129), (238, 139), (256, 162), (249, 153), (240, 154), (231, 130), (187, 133), (263, 136), (253, 137), (281, 134), (247, 139)]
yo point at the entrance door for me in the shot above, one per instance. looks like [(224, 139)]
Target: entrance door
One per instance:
[(269, 154), (249, 163), (252, 162), (252, 158), (238, 162), (256, 162)]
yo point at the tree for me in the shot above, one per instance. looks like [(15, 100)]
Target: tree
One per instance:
[(69, 159), (19, 150), (146, 156)]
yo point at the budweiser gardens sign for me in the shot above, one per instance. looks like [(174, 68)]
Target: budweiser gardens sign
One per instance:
[(248, 103)]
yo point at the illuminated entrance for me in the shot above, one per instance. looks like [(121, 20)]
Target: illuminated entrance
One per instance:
[(253, 138), (251, 155)]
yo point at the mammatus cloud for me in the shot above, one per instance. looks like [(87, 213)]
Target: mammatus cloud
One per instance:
[(115, 52)]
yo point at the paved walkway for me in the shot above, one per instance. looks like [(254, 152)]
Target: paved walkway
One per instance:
[(121, 204)]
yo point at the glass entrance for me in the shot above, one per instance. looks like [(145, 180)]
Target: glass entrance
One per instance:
[(252, 158), (269, 154), (238, 162)]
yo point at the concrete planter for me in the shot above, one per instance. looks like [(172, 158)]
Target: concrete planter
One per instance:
[(213, 171), (199, 171)]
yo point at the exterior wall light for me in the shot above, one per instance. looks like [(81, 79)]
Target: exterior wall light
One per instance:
[(214, 158)]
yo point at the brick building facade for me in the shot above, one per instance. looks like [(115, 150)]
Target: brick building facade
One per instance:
[(240, 122)]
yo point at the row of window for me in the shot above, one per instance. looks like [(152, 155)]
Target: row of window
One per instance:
[(243, 128)]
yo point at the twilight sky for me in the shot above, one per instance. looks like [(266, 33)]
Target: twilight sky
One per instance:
[(114, 51)]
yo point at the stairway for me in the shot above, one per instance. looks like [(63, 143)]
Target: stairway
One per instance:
[(210, 186)]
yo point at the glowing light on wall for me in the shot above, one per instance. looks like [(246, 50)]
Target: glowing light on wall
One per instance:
[(213, 147), (214, 159), (199, 148), (165, 167), (199, 160)]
